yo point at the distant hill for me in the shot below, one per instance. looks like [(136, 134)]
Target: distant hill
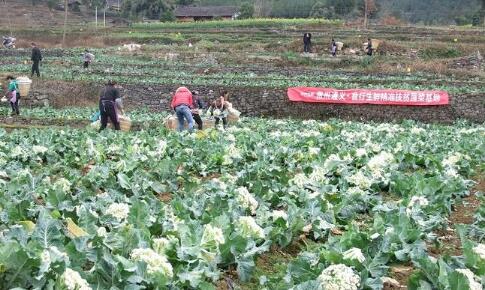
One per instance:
[(412, 11), (22, 14)]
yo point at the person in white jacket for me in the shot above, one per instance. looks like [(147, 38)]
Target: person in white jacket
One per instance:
[(87, 58)]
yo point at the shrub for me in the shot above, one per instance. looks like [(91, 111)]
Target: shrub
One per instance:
[(439, 52), (462, 21), (247, 11), (167, 16), (391, 21)]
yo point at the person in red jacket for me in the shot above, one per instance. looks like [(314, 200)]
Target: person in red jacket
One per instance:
[(182, 103)]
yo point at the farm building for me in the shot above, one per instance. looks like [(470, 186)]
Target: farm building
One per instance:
[(73, 5), (114, 5), (199, 13)]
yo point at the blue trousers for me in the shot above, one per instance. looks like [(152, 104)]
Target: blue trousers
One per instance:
[(183, 112)]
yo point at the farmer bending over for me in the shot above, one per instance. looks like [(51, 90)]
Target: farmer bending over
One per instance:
[(107, 105), (87, 58), (182, 103), (219, 110)]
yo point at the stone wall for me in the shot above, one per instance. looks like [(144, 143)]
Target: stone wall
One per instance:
[(61, 94), (266, 103)]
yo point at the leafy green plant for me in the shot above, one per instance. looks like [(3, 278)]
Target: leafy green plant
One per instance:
[(439, 52), (155, 207)]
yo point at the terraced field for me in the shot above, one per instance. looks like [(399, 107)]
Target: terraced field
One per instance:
[(266, 204)]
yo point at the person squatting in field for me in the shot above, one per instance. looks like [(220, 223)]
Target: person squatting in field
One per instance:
[(87, 58), (198, 107), (107, 105), (219, 109), (182, 103), (36, 59), (13, 95)]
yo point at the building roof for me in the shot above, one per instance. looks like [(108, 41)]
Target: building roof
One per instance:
[(110, 3), (206, 11), (74, 2)]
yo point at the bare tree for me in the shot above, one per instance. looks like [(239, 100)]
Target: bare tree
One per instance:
[(263, 8), (258, 8), (369, 8)]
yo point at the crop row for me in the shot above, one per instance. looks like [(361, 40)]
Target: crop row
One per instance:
[(160, 209), (237, 80)]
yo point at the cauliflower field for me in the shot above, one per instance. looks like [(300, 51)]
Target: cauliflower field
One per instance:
[(155, 209)]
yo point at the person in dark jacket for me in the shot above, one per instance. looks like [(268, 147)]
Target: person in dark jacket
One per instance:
[(36, 59), (333, 47), (307, 42), (107, 105), (198, 105), (369, 47)]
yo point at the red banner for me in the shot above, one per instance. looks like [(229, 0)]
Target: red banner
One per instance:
[(377, 97)]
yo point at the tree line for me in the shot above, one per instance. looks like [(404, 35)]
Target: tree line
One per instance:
[(426, 12)]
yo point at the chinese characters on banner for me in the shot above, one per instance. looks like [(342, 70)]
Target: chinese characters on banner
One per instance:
[(377, 97)]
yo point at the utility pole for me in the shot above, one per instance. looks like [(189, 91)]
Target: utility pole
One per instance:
[(96, 13), (65, 24)]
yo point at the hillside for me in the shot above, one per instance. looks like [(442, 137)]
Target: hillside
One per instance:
[(432, 12), (22, 14)]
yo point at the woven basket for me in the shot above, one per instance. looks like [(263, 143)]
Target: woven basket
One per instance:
[(340, 45), (24, 84), (171, 122), (125, 124)]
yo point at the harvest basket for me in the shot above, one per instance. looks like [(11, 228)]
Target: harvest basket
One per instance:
[(375, 44), (171, 122), (340, 45), (125, 123), (24, 84)]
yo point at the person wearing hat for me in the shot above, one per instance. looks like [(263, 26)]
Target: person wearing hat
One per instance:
[(107, 105), (36, 59), (182, 103), (198, 106)]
